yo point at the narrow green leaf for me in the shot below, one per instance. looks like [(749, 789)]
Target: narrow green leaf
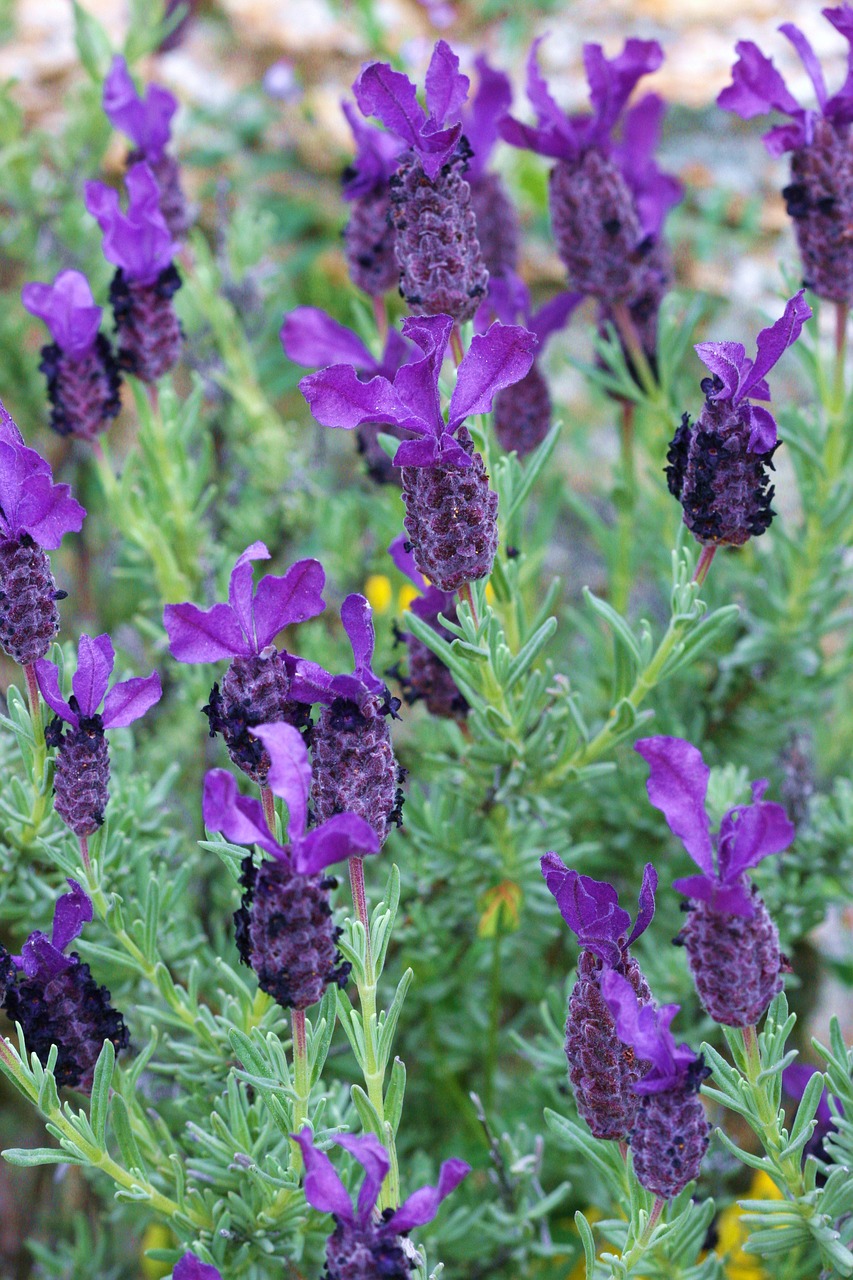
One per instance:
[(588, 1242), (93, 43), (27, 1157), (395, 1094), (123, 1132), (100, 1099), (367, 1113)]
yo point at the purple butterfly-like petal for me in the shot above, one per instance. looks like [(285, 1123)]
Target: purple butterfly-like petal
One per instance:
[(374, 1160), (130, 699), (68, 309), (290, 772), (239, 818), (345, 835), (422, 1206), (95, 662), (324, 1190), (678, 785), (493, 361), (72, 911)]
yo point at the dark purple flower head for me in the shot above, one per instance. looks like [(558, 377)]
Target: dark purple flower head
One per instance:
[(146, 121), (646, 1029), (312, 684), (68, 309), (41, 957), (678, 786), (757, 87), (125, 701), (481, 118), (189, 1268), (392, 98), (325, 1192), (241, 818), (138, 241), (736, 378), (252, 619), (591, 908), (377, 156), (30, 503), (311, 337), (611, 83), (337, 398), (508, 301)]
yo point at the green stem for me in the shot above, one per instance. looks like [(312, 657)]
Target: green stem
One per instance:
[(639, 1247), (768, 1129), (301, 1076), (465, 593), (41, 796), (494, 1023), (621, 576), (634, 348)]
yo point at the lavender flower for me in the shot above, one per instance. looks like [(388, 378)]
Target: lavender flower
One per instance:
[(428, 676), (355, 769), (56, 1000), (522, 415), (451, 512), (83, 381), (311, 337), (602, 1069), (369, 234), (140, 245), (717, 464), (35, 514), (608, 200), (496, 219), (189, 1268), (82, 772), (820, 195), (732, 944), (284, 928), (256, 688), (362, 1246), (435, 243), (147, 122), (670, 1134)]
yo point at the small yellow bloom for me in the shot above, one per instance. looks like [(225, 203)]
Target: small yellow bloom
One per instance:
[(733, 1235), (490, 593), (378, 591), (157, 1236), (501, 910), (406, 596)]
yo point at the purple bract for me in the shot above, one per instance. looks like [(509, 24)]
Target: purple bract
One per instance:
[(313, 338), (646, 1029), (68, 309), (30, 503), (42, 956), (189, 1268), (125, 701), (312, 684), (146, 121), (138, 241), (377, 156), (482, 117), (591, 908)]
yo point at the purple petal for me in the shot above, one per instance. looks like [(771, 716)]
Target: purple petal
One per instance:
[(72, 911), (376, 159), (68, 309), (40, 958), (290, 773), (726, 360), (9, 433), (139, 241), (589, 907), (839, 108), (726, 900), (337, 398), (204, 635), (645, 1029), (47, 675), (416, 383), (189, 1268), (647, 903), (654, 192), (95, 662), (553, 316), (392, 98), (345, 835), (763, 431), (47, 511), (808, 59), (324, 1190), (548, 112), (310, 683), (130, 699), (757, 86), (284, 601), (422, 1206), (449, 453), (239, 818), (612, 80), (750, 833), (446, 88), (405, 562), (677, 785), (311, 337), (240, 590), (357, 619), (146, 122), (773, 342), (373, 1158), (418, 453), (493, 361), (480, 123)]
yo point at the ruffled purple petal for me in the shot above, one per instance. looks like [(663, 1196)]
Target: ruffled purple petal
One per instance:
[(392, 98), (417, 453), (556, 135), (311, 337), (757, 86), (646, 1030), (480, 123), (95, 662), (284, 601), (763, 431), (405, 562), (47, 512), (774, 341), (589, 907), (130, 699), (493, 361), (240, 590), (145, 121), (345, 835), (310, 683), (750, 833), (808, 59), (839, 108), (678, 785), (726, 900), (357, 619), (373, 1158), (654, 192), (9, 433), (239, 818), (612, 80), (726, 360), (646, 913), (422, 1206), (553, 316), (72, 911), (290, 773), (139, 241), (416, 383), (204, 635), (40, 958), (324, 1190), (446, 87), (337, 398), (47, 675), (68, 309), (189, 1268)]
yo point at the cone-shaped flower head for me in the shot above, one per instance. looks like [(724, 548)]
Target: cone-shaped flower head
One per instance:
[(820, 194), (189, 1268), (82, 771), (435, 243), (56, 1000), (363, 1247), (670, 1134), (369, 234), (732, 944), (35, 514), (428, 676), (608, 201), (602, 1069), (284, 927), (83, 380), (355, 769), (311, 337), (522, 416), (451, 512), (717, 464), (257, 686), (496, 218)]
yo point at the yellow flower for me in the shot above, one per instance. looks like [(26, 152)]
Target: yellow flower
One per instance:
[(406, 596), (738, 1264), (378, 591), (156, 1236)]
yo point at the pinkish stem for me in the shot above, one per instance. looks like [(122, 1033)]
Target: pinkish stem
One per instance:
[(380, 315), (456, 345), (704, 564), (268, 801), (84, 849), (466, 594)]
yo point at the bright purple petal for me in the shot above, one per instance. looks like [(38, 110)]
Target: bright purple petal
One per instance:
[(726, 360), (677, 785), (446, 88), (189, 1268), (373, 1158), (757, 86), (290, 773), (493, 361), (145, 121), (95, 662), (204, 635), (750, 833), (773, 342), (417, 453), (239, 818), (40, 958), (808, 59), (324, 1190), (139, 241), (337, 398), (72, 911), (392, 98), (405, 561), (376, 159), (416, 383), (645, 915), (311, 337), (646, 1030), (240, 590), (68, 309), (130, 699), (480, 123), (47, 511), (284, 601), (422, 1206), (724, 899), (548, 112), (357, 619), (763, 431), (310, 683), (589, 907), (47, 676), (612, 80), (345, 835)]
